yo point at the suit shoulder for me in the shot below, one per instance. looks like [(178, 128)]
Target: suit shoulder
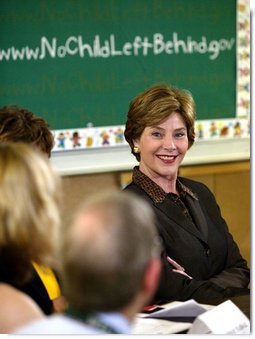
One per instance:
[(133, 188), (194, 185)]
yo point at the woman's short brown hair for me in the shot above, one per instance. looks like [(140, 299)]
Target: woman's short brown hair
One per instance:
[(153, 106)]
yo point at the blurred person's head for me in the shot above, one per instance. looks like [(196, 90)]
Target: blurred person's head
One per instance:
[(17, 124), (110, 254)]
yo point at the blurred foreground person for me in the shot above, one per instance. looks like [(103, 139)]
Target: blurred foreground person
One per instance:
[(29, 222), (110, 266), (18, 124)]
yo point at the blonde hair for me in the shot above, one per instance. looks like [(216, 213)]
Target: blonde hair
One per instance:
[(29, 204)]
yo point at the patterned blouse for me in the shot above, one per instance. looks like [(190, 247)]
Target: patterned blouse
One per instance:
[(158, 195)]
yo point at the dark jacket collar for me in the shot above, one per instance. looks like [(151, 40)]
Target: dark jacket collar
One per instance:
[(164, 201)]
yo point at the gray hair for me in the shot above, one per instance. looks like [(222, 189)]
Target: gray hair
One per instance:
[(106, 250)]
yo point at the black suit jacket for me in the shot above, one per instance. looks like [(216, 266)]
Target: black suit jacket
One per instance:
[(207, 252)]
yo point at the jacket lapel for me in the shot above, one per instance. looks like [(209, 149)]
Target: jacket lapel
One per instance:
[(175, 213), (198, 216)]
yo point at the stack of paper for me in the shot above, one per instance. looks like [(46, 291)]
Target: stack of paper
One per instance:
[(175, 317), (193, 318), (225, 318)]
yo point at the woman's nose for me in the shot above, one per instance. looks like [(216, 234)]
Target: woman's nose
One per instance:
[(169, 144)]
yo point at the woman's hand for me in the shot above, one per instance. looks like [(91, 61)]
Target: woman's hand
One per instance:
[(178, 268)]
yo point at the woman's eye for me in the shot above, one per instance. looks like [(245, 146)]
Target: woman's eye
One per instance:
[(156, 134), (180, 135)]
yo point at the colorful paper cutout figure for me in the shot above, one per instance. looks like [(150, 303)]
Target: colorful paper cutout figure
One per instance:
[(119, 136), (224, 131), (76, 139), (89, 135), (61, 140), (105, 137), (237, 129), (213, 129), (200, 130)]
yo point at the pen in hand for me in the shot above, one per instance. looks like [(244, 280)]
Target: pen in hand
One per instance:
[(178, 268)]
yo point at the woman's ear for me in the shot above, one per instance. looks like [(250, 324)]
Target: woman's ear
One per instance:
[(136, 142), (136, 147)]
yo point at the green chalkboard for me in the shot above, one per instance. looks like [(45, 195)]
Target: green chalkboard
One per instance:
[(79, 61)]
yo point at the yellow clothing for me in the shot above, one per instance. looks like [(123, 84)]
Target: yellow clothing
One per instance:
[(49, 280)]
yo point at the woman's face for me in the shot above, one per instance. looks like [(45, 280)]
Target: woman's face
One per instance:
[(163, 147)]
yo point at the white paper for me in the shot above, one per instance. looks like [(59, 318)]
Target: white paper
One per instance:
[(152, 324), (187, 309), (158, 326), (225, 318)]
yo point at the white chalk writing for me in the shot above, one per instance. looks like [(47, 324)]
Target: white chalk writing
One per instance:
[(99, 48)]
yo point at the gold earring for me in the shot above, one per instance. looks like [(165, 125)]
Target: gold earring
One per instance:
[(136, 149)]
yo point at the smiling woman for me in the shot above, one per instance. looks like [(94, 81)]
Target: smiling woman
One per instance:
[(200, 258), (164, 147)]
